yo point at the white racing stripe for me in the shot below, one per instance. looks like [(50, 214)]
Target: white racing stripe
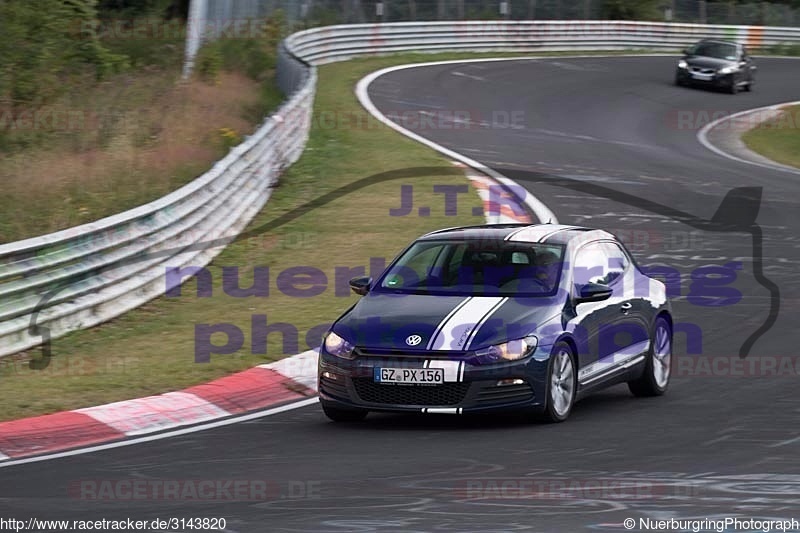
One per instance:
[(619, 358), (455, 332), (444, 321), (536, 233), (442, 410), (483, 321)]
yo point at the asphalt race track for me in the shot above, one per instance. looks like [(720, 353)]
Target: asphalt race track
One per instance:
[(607, 142)]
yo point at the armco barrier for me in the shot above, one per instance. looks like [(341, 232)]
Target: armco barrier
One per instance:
[(83, 276)]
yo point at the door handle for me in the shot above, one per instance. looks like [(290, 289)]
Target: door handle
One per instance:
[(626, 307)]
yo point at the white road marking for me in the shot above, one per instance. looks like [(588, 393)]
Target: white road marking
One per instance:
[(470, 76), (542, 212), (702, 136)]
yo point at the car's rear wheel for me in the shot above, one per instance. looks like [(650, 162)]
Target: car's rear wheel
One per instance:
[(655, 378), (338, 414), (734, 87), (561, 384)]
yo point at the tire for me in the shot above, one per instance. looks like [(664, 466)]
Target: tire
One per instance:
[(562, 384), (734, 88), (749, 86), (678, 81), (337, 414), (655, 378)]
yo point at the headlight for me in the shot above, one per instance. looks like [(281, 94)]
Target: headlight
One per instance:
[(335, 345), (682, 64), (508, 351), (728, 70)]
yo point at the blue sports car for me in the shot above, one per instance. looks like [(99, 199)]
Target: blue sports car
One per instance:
[(498, 317)]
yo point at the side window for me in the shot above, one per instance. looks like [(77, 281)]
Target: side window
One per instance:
[(590, 265), (600, 263), (617, 261)]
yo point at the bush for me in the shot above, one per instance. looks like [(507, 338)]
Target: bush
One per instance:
[(254, 57), (45, 40)]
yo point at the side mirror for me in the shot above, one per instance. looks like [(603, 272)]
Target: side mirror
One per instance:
[(594, 292), (361, 285)]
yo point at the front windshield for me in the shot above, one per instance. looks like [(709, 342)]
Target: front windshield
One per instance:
[(476, 267), (715, 50)]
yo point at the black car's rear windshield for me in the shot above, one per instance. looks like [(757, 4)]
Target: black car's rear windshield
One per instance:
[(716, 50), (475, 267)]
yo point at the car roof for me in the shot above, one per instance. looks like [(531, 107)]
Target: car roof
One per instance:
[(539, 233)]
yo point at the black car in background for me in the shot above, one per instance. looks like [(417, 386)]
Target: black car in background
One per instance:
[(720, 64)]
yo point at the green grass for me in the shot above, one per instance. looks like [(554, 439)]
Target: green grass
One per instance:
[(105, 146), (778, 139)]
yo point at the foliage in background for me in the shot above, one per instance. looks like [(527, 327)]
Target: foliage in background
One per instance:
[(632, 10), (255, 58), (44, 41)]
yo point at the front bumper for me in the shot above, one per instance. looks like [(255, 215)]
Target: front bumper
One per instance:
[(501, 386), (716, 80)]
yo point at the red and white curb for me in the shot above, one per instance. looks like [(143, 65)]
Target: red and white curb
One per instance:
[(262, 387)]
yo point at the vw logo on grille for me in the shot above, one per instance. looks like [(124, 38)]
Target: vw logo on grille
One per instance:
[(413, 340)]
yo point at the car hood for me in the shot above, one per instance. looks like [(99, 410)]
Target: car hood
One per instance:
[(708, 62), (443, 323)]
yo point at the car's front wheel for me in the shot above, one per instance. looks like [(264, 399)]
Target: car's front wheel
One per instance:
[(337, 414), (655, 378), (561, 384)]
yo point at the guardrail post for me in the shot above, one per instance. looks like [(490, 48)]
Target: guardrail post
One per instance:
[(703, 12), (440, 9), (531, 9), (412, 9)]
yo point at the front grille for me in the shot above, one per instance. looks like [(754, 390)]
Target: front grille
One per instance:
[(333, 388), (430, 395), (700, 70), (492, 394), (398, 353)]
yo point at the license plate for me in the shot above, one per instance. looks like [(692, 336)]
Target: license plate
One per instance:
[(409, 376)]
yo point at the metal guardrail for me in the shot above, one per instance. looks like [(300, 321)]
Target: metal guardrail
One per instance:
[(336, 43), (82, 276), (86, 275)]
